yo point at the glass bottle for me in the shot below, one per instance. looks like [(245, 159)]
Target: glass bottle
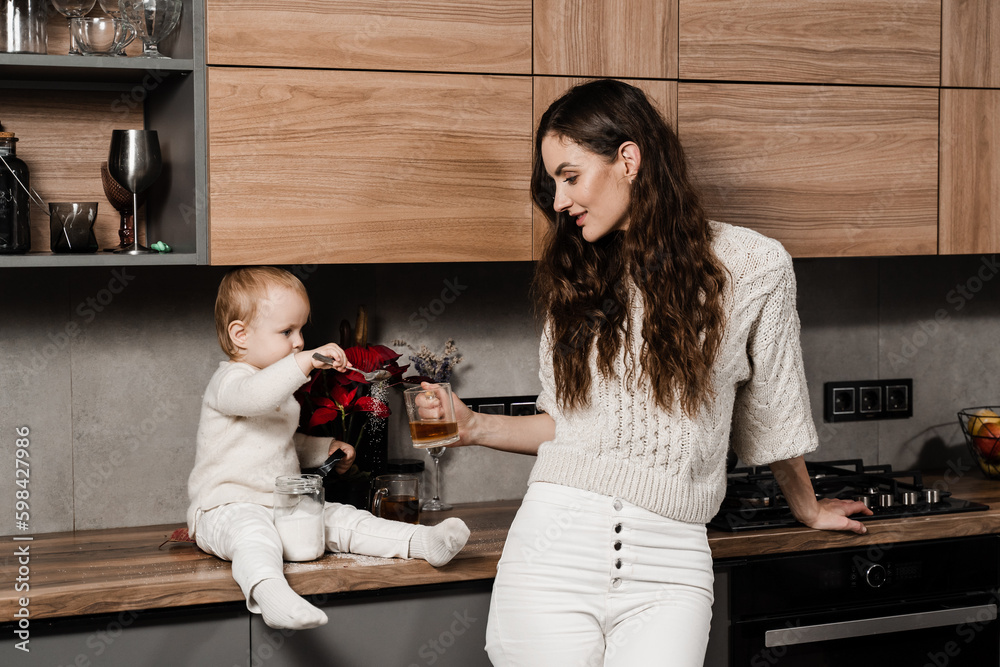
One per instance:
[(298, 516), (15, 214)]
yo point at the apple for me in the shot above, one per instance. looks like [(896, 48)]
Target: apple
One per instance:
[(987, 441), (981, 417)]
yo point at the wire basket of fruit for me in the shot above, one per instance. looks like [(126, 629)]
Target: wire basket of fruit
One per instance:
[(981, 427)]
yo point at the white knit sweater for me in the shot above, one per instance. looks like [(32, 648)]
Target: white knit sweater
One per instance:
[(246, 436), (624, 445)]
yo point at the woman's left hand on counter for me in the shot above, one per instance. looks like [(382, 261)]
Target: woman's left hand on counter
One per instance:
[(834, 514)]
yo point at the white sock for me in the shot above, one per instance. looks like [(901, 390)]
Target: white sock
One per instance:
[(283, 608), (439, 544)]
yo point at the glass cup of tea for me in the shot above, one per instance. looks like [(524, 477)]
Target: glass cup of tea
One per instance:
[(432, 415), (397, 498)]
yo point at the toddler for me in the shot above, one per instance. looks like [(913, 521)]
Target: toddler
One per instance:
[(247, 437)]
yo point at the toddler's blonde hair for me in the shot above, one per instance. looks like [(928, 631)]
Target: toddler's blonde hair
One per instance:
[(240, 294)]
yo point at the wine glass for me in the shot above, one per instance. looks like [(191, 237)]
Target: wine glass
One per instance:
[(111, 8), (153, 20), (435, 504), (72, 9), (134, 161)]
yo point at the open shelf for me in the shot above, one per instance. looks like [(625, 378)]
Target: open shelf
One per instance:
[(63, 110), (51, 259), (31, 67)]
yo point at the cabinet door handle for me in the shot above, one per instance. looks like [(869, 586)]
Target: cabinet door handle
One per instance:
[(807, 634)]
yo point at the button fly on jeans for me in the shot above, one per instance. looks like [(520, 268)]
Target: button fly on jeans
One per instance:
[(618, 545)]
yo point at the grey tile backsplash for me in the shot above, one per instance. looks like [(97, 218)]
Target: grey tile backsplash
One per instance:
[(107, 367)]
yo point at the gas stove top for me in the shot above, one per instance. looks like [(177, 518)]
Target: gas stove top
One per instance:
[(754, 500)]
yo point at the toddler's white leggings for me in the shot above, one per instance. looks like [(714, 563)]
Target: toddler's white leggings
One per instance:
[(244, 533)]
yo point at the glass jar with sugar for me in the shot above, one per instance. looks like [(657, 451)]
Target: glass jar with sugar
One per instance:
[(298, 516)]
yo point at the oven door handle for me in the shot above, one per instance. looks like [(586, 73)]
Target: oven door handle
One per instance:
[(807, 634)]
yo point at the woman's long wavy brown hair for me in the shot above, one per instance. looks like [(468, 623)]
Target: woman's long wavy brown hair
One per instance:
[(582, 289)]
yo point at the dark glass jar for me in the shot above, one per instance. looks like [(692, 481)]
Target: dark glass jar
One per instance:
[(15, 214)]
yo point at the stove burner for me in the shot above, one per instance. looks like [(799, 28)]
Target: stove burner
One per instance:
[(754, 500)]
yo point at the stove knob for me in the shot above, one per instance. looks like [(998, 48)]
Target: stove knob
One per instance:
[(910, 497), (931, 496), (885, 500), (876, 575)]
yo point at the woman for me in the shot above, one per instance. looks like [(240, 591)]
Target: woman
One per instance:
[(667, 339)]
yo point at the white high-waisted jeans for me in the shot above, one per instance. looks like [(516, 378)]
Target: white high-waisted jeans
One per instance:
[(244, 533), (588, 580)]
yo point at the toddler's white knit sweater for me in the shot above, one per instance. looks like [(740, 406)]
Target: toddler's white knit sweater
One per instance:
[(624, 445), (246, 436)]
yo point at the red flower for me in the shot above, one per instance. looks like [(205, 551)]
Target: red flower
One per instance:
[(330, 398)]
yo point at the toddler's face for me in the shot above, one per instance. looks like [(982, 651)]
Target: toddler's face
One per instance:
[(276, 332)]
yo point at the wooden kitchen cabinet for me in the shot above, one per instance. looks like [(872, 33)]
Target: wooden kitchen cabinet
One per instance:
[(606, 38), (437, 35), (828, 171), (970, 56), (547, 89), (970, 171), (880, 42), (63, 108), (442, 625), (206, 635), (321, 166)]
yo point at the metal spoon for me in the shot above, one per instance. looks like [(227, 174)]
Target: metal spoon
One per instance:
[(328, 465), (373, 376)]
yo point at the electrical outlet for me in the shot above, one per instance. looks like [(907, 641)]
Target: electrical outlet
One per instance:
[(843, 401), (871, 400), (867, 399), (897, 398), (503, 405)]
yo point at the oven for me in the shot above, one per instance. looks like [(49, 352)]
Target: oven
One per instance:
[(914, 604)]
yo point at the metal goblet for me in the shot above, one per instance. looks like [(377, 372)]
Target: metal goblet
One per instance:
[(134, 161)]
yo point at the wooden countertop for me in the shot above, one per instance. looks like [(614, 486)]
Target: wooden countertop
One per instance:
[(104, 571), (967, 485)]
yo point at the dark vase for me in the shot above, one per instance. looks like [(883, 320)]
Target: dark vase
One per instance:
[(355, 487)]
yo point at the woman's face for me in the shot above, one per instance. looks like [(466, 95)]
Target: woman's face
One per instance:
[(587, 188)]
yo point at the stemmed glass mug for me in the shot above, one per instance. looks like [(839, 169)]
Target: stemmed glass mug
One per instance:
[(72, 9), (153, 20), (435, 504), (134, 161), (432, 426)]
